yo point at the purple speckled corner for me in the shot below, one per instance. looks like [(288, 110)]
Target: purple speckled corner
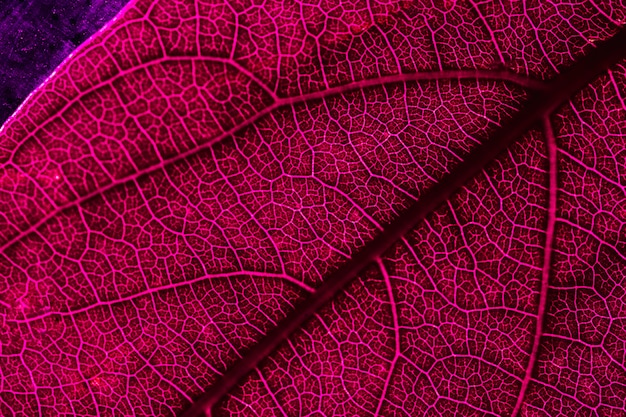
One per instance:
[(37, 35), (353, 208)]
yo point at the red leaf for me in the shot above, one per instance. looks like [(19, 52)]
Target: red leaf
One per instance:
[(335, 209)]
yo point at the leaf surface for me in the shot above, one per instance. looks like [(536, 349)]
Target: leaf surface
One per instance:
[(334, 209)]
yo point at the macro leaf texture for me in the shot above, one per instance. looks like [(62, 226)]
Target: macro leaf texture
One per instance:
[(327, 208)]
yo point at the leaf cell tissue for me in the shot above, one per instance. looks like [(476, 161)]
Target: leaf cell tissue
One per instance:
[(316, 208)]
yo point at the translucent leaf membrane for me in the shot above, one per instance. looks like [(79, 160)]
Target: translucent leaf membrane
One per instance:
[(178, 272), (170, 77), (195, 172), (443, 323), (451, 311)]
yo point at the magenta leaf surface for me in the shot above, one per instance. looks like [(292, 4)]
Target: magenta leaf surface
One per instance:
[(321, 208)]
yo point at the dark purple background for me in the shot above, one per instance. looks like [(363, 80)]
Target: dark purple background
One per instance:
[(35, 37)]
